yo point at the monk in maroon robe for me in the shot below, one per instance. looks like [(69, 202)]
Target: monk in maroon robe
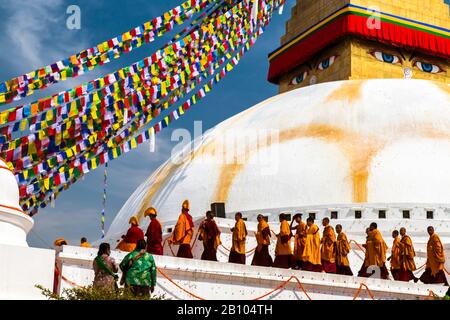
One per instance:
[(154, 233), (262, 257), (134, 234), (210, 235)]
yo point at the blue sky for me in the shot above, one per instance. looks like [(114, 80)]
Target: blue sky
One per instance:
[(34, 34)]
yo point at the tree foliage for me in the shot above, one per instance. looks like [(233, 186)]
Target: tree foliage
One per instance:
[(90, 293)]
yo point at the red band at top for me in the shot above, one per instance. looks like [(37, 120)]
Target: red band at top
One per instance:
[(391, 33)]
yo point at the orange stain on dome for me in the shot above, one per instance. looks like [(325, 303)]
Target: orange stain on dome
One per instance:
[(349, 91), (445, 87), (358, 151)]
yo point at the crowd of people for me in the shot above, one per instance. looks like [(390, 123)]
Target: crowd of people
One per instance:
[(310, 252)]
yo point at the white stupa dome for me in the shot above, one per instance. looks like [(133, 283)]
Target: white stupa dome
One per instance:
[(14, 222), (348, 142)]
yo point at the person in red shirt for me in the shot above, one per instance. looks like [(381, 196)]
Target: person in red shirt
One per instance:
[(154, 233), (134, 234)]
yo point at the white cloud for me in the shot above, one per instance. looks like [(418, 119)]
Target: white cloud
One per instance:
[(35, 34)]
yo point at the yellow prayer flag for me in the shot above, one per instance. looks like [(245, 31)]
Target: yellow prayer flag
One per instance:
[(23, 125), (163, 89), (47, 183), (58, 139), (32, 148), (3, 117), (49, 115), (94, 164), (133, 144)]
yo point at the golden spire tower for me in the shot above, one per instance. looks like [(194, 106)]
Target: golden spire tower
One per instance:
[(331, 40)]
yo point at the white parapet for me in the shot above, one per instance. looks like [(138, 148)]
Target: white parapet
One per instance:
[(22, 268)]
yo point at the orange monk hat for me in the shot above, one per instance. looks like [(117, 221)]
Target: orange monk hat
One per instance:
[(60, 241), (134, 220), (150, 211), (186, 205)]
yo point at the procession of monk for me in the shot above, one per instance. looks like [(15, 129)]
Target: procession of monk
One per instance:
[(327, 252)]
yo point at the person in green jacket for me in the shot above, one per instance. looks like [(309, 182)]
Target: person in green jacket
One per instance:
[(447, 295), (139, 271)]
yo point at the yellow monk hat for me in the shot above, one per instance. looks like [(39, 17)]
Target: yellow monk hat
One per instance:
[(134, 220), (186, 205), (150, 211), (60, 241)]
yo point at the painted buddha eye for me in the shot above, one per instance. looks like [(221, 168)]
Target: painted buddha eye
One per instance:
[(328, 62), (300, 78), (386, 57), (427, 67)]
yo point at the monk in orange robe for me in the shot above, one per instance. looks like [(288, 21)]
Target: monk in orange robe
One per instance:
[(376, 250), (283, 250), (154, 233), (183, 232), (434, 270), (262, 257), (299, 240), (342, 250), (58, 244), (311, 253), (209, 233), (237, 252), (394, 259), (407, 253), (328, 249), (84, 243), (134, 234)]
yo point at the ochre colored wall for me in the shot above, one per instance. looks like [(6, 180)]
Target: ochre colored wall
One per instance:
[(340, 70), (365, 66), (355, 61)]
